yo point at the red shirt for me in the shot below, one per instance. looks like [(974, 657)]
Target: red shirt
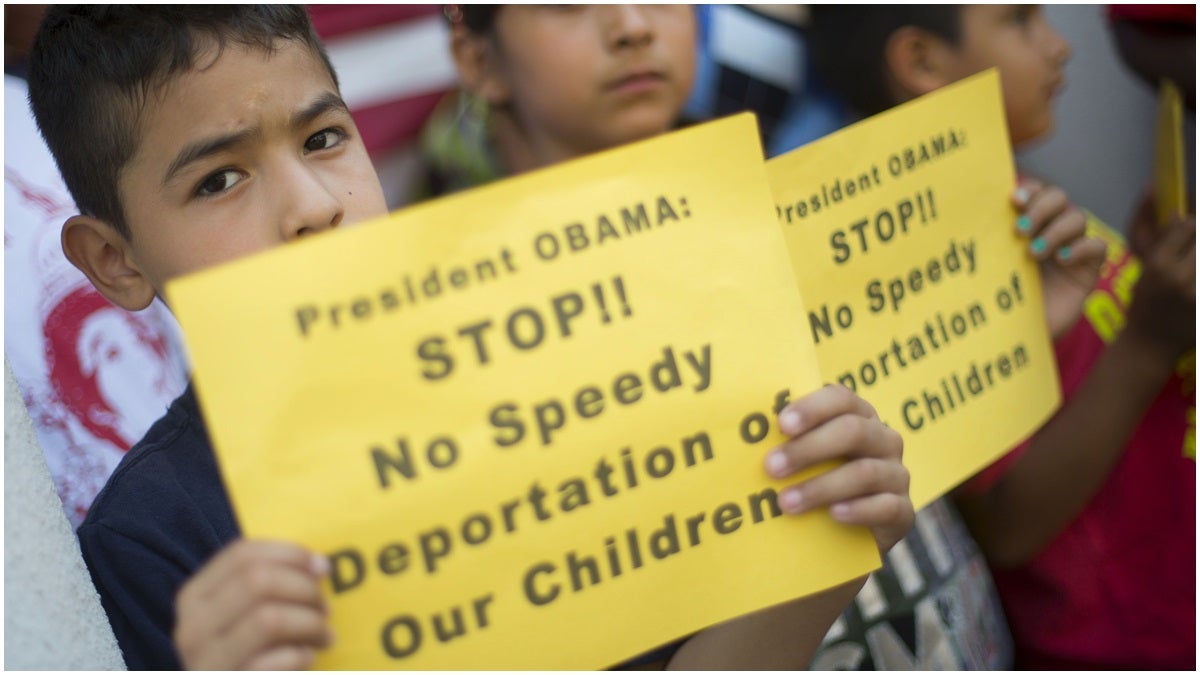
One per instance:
[(1117, 588)]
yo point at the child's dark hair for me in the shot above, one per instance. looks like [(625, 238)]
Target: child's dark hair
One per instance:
[(846, 45), (476, 18), (93, 68)]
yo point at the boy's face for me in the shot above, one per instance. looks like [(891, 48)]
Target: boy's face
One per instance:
[(583, 78), (1030, 55), (240, 154)]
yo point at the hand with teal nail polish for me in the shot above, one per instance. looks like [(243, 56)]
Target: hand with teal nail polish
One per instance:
[(1053, 224)]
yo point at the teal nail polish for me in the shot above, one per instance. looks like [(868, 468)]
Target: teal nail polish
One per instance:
[(1038, 245), (1064, 253), (1023, 223)]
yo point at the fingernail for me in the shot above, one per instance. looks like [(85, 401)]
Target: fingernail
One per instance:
[(777, 464), (1024, 224), (839, 511), (1038, 245), (1021, 195), (789, 422), (1064, 253), (319, 565), (790, 501)]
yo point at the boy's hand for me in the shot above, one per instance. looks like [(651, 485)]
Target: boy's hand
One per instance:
[(256, 605), (1070, 260), (870, 488), (1162, 315)]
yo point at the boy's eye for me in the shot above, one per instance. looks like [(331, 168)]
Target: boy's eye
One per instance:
[(218, 182), (324, 139)]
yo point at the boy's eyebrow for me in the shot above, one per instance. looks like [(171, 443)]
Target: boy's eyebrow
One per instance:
[(323, 104), (326, 102), (204, 148)]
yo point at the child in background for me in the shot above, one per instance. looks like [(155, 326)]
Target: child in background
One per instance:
[(1089, 525), (934, 604), (194, 135), (542, 84)]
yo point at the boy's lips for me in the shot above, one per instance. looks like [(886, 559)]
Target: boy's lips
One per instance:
[(636, 81)]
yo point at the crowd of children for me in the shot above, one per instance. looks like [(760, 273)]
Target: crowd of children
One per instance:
[(193, 135)]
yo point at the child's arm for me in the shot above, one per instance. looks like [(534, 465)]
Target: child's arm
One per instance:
[(870, 488), (256, 605), (1069, 459)]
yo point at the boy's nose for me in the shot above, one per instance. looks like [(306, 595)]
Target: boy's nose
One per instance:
[(308, 206), (628, 25)]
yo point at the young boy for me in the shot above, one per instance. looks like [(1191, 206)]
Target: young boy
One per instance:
[(1089, 525), (194, 135), (188, 136)]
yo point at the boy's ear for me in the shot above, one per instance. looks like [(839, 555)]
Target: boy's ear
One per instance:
[(917, 62), (478, 66), (103, 255)]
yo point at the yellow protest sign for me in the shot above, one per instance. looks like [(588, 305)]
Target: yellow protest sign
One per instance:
[(528, 413), (1170, 196), (920, 294)]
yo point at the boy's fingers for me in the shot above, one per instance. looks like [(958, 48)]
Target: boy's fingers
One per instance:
[(290, 657), (236, 558), (890, 516), (874, 510), (247, 566), (850, 481), (843, 437), (234, 586), (820, 406), (264, 587), (275, 626), (263, 584)]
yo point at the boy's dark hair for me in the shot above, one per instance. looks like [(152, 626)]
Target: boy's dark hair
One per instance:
[(93, 68), (846, 46)]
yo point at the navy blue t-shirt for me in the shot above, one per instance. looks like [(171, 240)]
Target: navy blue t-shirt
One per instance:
[(163, 513)]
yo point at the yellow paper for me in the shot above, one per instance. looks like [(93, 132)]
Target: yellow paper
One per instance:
[(920, 294), (455, 404), (1169, 194)]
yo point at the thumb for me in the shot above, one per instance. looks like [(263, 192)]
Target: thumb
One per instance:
[(1143, 225)]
